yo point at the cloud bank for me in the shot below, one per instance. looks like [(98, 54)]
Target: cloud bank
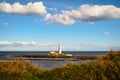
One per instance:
[(85, 13), (25, 44), (7, 45), (91, 47), (30, 8)]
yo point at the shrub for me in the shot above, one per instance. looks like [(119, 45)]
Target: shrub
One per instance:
[(104, 68)]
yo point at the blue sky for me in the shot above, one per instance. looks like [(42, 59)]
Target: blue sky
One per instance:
[(80, 25)]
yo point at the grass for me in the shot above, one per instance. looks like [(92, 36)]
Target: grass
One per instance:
[(104, 68), (18, 70)]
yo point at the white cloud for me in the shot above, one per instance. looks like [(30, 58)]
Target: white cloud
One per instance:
[(5, 42), (60, 19), (107, 33), (52, 9), (29, 9), (25, 44), (85, 13), (5, 24)]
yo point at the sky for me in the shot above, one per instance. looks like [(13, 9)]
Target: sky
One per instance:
[(40, 25)]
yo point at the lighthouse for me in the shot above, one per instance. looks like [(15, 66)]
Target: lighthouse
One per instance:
[(59, 49), (59, 53)]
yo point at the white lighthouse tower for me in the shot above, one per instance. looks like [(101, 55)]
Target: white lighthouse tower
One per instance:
[(59, 49), (59, 53)]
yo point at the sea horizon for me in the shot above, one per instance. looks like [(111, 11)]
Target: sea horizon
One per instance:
[(82, 53)]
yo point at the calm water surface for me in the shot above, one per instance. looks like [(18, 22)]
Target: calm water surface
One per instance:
[(50, 63)]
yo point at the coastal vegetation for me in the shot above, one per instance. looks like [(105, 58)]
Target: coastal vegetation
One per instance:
[(104, 68)]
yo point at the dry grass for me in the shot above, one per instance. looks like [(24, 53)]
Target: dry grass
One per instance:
[(105, 68), (18, 70)]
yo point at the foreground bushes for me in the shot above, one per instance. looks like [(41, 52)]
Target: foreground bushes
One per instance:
[(18, 70), (105, 68)]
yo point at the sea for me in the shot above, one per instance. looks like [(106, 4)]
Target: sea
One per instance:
[(50, 63)]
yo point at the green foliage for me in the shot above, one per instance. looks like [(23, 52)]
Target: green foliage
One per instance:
[(104, 68)]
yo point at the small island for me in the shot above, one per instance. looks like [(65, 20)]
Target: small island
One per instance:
[(59, 52)]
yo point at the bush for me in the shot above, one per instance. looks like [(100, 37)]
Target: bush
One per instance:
[(104, 68), (18, 70)]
